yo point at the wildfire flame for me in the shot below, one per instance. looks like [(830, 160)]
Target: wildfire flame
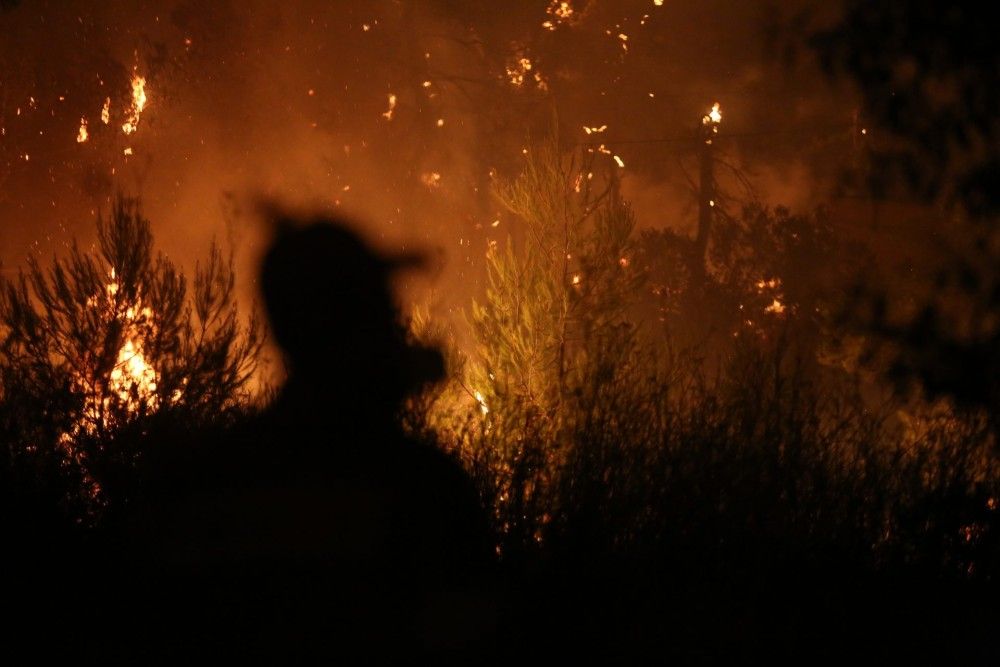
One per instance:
[(82, 135), (714, 116), (131, 123), (106, 111), (131, 370)]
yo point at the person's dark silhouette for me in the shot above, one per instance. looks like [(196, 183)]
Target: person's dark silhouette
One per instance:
[(318, 526)]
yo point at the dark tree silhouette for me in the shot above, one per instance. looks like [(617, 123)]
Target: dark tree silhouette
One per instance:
[(100, 346), (928, 76)]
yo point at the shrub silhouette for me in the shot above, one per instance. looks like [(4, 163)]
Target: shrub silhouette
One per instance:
[(702, 458), (103, 348)]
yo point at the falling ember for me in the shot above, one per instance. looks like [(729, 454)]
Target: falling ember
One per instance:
[(392, 107), (106, 111), (576, 279), (82, 135), (594, 130), (431, 179), (619, 161), (127, 151), (131, 123)]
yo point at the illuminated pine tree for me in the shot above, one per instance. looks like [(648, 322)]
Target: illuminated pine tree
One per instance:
[(553, 331)]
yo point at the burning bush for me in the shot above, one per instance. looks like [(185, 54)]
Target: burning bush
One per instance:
[(99, 347)]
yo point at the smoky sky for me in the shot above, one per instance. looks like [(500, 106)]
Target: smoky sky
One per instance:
[(398, 114)]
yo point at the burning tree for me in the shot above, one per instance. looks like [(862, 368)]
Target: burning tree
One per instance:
[(100, 346)]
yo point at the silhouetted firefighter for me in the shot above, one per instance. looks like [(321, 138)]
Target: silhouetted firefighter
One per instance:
[(317, 527)]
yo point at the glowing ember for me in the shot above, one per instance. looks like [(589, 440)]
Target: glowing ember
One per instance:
[(131, 123), (392, 107), (431, 179), (594, 130), (772, 286), (619, 161), (106, 111), (517, 70), (560, 12), (82, 135)]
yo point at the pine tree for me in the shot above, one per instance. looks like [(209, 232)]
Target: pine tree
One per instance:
[(555, 315), (553, 332), (102, 346)]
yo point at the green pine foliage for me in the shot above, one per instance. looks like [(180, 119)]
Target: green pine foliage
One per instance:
[(601, 413)]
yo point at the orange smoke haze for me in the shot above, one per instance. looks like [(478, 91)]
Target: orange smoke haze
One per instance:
[(394, 113)]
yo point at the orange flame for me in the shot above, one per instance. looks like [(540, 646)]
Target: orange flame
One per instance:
[(131, 123)]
